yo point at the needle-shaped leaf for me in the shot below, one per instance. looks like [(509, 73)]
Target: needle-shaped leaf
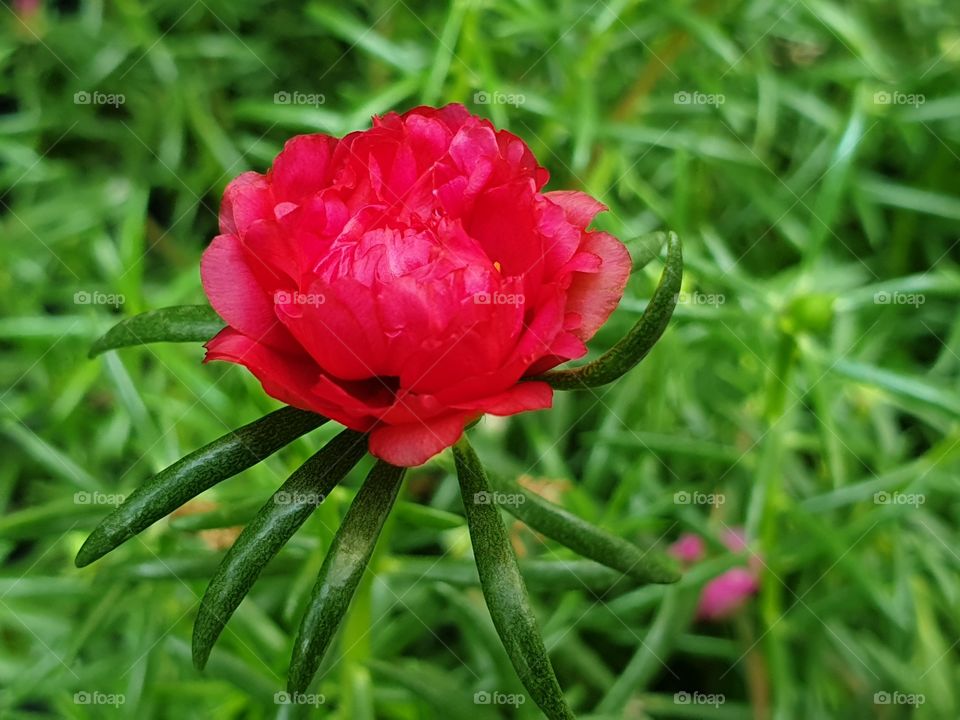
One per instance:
[(182, 323), (273, 526), (341, 571), (503, 587), (191, 475), (635, 345), (644, 249), (581, 536)]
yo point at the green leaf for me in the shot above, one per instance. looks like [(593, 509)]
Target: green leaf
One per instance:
[(672, 618), (182, 323), (911, 387), (645, 248), (503, 587), (635, 345), (198, 471), (274, 525), (341, 572), (583, 537)]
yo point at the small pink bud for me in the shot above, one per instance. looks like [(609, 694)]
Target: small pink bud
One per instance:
[(689, 549), (724, 595)]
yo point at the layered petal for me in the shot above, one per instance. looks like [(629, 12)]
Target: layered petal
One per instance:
[(405, 279)]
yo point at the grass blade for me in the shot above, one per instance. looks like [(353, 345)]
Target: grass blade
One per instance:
[(503, 587), (341, 572), (273, 526), (182, 323), (191, 475), (642, 337)]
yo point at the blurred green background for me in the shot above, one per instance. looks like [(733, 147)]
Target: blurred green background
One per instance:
[(807, 151)]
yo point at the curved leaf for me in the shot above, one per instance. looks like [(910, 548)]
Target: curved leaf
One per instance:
[(273, 526), (181, 323), (342, 569), (635, 345), (503, 587), (646, 248), (191, 475), (585, 538)]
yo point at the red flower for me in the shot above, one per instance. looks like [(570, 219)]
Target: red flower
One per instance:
[(405, 279)]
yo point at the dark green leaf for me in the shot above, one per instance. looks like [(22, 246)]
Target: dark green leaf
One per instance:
[(183, 323), (503, 587), (198, 471), (342, 569), (646, 248), (274, 525), (583, 537), (638, 342)]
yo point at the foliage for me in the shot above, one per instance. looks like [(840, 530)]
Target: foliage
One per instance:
[(806, 153)]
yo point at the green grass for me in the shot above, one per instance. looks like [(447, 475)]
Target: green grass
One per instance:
[(784, 384)]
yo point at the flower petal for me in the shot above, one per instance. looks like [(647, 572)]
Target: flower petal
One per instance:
[(595, 295), (238, 298), (415, 443)]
